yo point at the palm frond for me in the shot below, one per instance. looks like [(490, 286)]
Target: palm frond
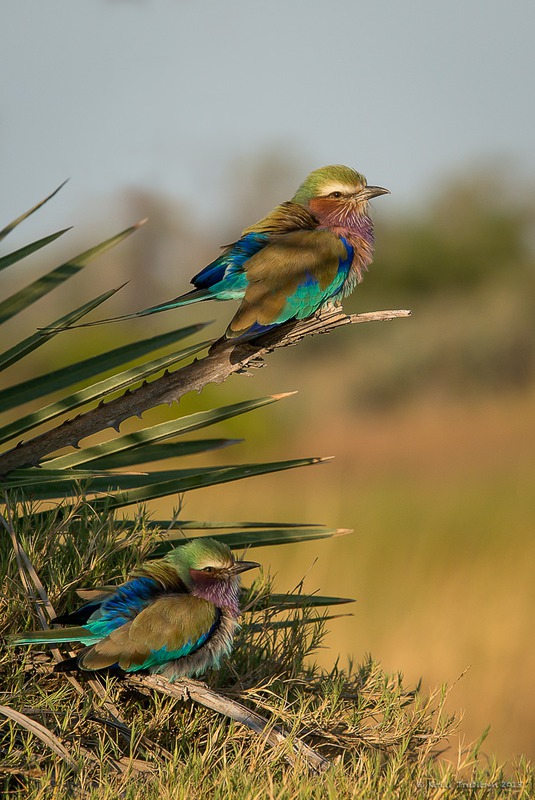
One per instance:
[(38, 339), (12, 225), (28, 249), (29, 294)]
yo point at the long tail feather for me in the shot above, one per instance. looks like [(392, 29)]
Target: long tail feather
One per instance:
[(78, 634), (195, 296)]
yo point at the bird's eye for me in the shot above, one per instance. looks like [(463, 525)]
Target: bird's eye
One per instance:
[(335, 194), (208, 569)]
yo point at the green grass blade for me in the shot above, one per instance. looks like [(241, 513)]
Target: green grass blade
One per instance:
[(256, 538), (283, 602), (96, 391), (164, 430), (168, 525), (196, 525), (25, 297), (207, 477), (158, 452), (12, 225), (82, 370), (45, 484), (37, 339), (23, 252)]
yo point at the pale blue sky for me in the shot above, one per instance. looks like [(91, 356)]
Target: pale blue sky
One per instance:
[(167, 94)]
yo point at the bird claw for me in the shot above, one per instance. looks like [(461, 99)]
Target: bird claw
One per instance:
[(253, 363), (329, 307)]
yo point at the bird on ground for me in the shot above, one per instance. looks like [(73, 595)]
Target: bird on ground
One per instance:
[(176, 616), (306, 253)]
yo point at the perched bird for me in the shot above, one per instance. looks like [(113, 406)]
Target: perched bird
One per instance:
[(176, 616), (307, 252)]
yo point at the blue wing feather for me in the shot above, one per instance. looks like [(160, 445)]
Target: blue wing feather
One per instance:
[(228, 268), (123, 605)]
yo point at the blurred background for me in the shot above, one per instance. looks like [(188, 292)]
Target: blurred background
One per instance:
[(202, 116)]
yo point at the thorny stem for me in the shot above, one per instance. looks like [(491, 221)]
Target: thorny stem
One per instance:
[(223, 359)]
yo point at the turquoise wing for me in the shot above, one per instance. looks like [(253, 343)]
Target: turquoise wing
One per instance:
[(169, 628), (291, 278)]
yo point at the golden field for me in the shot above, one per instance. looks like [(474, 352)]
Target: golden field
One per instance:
[(441, 499)]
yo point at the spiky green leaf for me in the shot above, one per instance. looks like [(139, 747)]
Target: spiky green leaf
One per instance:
[(203, 478), (199, 525), (40, 338), (283, 602), (42, 385), (27, 250), (25, 297), (255, 538), (158, 452), (156, 433), (12, 225), (47, 483)]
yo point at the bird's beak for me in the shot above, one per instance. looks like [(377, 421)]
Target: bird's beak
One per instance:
[(243, 566), (372, 191)]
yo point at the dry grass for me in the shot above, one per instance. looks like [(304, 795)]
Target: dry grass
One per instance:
[(380, 737), (440, 495)]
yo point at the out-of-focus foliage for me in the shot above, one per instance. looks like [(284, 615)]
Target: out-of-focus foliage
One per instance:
[(465, 265), (476, 229)]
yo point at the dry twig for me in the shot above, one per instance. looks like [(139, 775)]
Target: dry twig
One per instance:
[(187, 689), (46, 735)]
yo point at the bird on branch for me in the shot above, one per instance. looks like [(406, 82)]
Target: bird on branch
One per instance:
[(308, 252)]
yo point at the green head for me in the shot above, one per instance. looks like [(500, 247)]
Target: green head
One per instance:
[(325, 180), (335, 182), (206, 560)]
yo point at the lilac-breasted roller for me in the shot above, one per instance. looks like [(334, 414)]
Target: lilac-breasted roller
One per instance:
[(175, 616), (307, 252)]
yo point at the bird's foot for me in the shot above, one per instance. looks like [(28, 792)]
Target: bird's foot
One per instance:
[(253, 363), (330, 306)]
